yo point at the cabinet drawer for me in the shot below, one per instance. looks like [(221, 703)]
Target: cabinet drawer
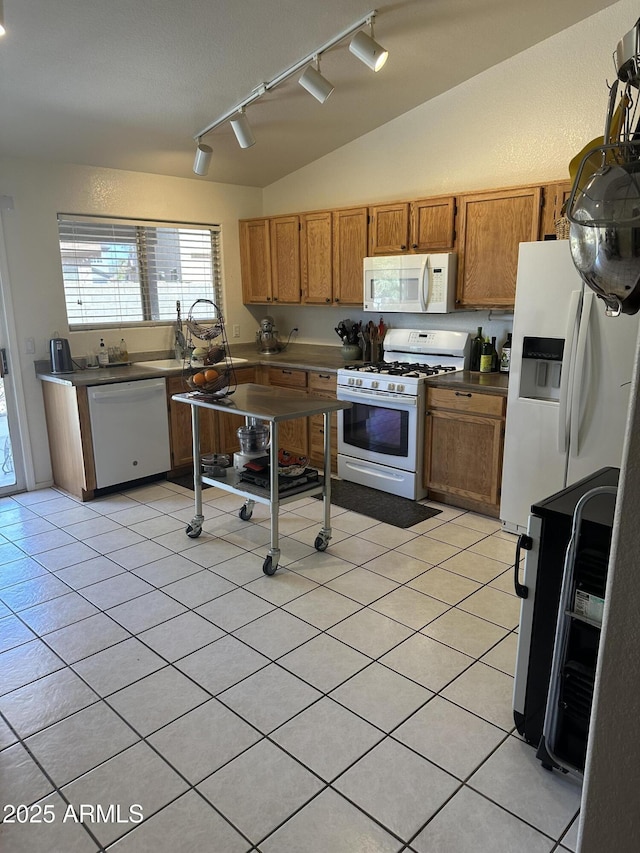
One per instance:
[(287, 378), (323, 383), (466, 401)]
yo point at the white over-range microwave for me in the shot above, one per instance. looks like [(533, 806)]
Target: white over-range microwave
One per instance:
[(413, 284)]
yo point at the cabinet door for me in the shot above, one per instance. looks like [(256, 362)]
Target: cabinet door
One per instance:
[(180, 434), (464, 456), (389, 229), (285, 259), (316, 258), (322, 385), (491, 228), (292, 434), (228, 424), (554, 196), (255, 260), (349, 250), (432, 224)]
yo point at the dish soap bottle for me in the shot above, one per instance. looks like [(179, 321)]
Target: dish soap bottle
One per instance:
[(476, 350), (505, 355), (103, 354), (486, 357)]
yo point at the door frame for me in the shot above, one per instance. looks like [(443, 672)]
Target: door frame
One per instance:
[(13, 386)]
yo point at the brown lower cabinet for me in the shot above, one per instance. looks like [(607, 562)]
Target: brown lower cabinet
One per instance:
[(322, 385), (292, 434), (464, 436), (217, 430)]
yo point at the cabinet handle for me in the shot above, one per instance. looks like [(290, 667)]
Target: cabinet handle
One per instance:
[(287, 372), (414, 245), (337, 300), (462, 394), (403, 247), (268, 299), (275, 298), (327, 299)]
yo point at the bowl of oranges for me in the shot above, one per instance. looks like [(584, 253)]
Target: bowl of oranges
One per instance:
[(209, 380)]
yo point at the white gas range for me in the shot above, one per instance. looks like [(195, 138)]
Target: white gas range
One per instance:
[(381, 437)]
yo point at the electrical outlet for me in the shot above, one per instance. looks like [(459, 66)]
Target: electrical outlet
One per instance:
[(30, 346), (236, 331)]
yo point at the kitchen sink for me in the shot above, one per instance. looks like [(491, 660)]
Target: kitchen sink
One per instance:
[(173, 364)]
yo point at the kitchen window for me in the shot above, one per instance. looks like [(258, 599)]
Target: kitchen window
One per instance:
[(127, 272)]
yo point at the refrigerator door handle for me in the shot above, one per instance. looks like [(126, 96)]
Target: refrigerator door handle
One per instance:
[(582, 363), (565, 381)]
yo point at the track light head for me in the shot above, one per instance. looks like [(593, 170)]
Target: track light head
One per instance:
[(368, 50), (2, 29), (242, 130), (317, 85), (202, 159)]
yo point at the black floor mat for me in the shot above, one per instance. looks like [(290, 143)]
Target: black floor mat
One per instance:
[(389, 509)]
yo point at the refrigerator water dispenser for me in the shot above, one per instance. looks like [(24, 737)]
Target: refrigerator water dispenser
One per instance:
[(541, 368)]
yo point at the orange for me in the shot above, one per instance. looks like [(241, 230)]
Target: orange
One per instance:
[(211, 375), (199, 379)]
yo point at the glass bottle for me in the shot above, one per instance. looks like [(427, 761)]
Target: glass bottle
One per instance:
[(505, 356), (486, 357), (494, 356), (103, 354), (124, 353), (476, 350)]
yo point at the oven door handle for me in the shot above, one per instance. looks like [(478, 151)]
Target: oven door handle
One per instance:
[(382, 397)]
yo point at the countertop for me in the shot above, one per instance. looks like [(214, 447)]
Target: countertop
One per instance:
[(268, 404), (296, 356)]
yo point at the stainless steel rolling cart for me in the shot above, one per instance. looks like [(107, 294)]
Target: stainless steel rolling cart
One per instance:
[(272, 405)]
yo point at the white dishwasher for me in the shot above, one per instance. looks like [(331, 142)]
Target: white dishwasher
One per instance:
[(130, 429)]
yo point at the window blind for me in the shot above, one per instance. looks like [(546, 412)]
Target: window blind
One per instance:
[(120, 272)]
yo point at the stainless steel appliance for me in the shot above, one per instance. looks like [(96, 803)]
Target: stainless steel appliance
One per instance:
[(60, 356), (381, 437), (565, 659), (267, 337), (411, 284)]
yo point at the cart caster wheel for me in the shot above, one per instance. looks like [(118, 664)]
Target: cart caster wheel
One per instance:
[(321, 543), (245, 514), (193, 532), (268, 567)]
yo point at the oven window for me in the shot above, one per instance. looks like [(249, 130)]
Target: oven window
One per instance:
[(378, 429)]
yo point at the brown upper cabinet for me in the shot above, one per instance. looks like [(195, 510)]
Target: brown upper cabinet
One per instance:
[(349, 250), (332, 246), (285, 258), (425, 225), (316, 257), (270, 259), (255, 260), (555, 195), (491, 227)]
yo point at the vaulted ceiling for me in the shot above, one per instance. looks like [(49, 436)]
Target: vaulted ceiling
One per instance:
[(128, 83)]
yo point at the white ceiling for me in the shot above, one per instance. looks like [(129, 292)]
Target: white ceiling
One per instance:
[(128, 83)]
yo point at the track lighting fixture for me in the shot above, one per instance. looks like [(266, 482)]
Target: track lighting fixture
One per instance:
[(242, 130), (317, 85), (2, 29), (367, 50), (362, 46), (203, 158)]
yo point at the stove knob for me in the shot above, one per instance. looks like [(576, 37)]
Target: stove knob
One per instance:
[(399, 387), (391, 386), (351, 380), (358, 382), (374, 383)]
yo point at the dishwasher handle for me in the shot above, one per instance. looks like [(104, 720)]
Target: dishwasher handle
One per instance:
[(126, 395)]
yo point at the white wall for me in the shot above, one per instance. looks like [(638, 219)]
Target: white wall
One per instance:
[(40, 191)]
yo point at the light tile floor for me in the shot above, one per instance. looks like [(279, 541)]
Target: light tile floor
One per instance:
[(358, 700)]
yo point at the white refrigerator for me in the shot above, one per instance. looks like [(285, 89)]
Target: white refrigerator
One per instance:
[(569, 382)]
